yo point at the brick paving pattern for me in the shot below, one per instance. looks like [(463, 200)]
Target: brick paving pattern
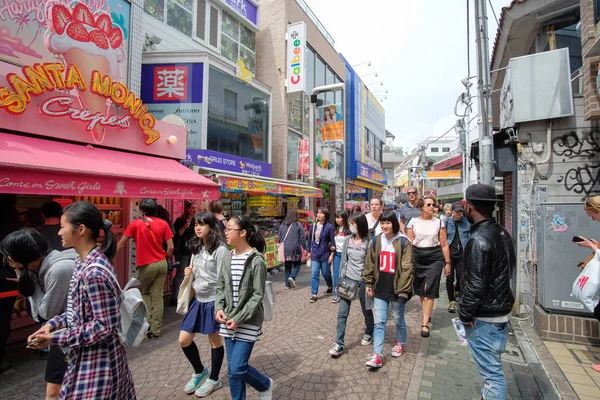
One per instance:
[(293, 352), (448, 369), (575, 362)]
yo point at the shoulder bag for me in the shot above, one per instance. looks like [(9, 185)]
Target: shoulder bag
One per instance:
[(280, 253)]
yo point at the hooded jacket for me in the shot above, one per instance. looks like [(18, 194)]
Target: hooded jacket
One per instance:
[(404, 276), (50, 297)]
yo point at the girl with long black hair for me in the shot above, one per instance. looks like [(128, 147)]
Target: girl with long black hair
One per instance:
[(239, 306), (208, 252), (342, 232), (97, 366), (354, 251), (44, 278), (291, 237)]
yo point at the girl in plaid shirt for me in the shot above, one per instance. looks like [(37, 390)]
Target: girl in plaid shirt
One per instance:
[(97, 363)]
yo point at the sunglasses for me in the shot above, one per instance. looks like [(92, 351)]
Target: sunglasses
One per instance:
[(429, 205), (412, 192)]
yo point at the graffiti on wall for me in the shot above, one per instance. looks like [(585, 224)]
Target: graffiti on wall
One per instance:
[(584, 178)]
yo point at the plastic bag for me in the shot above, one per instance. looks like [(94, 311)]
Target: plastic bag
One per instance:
[(585, 287), (185, 296)]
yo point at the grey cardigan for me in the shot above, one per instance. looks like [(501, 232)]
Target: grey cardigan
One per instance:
[(353, 260)]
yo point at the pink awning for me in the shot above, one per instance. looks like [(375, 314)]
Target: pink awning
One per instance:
[(37, 166)]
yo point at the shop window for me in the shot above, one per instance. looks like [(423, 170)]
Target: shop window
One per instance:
[(338, 95), (237, 42), (310, 69), (230, 105), (320, 75), (155, 8), (445, 149), (596, 11), (561, 32), (329, 80), (201, 20), (435, 149), (378, 150), (295, 103), (214, 27), (293, 151), (238, 117), (179, 15)]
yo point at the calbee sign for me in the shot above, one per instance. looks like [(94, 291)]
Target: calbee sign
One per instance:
[(296, 57)]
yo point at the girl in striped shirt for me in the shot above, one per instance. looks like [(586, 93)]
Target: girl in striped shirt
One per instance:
[(240, 292)]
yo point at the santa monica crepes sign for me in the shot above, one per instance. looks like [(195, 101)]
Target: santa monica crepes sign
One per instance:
[(49, 77)]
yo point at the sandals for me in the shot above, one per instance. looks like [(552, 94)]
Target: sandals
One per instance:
[(425, 333)]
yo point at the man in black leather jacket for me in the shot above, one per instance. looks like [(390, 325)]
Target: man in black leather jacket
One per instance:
[(487, 298)]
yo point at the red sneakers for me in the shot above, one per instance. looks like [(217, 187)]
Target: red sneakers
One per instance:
[(375, 362), (398, 350)]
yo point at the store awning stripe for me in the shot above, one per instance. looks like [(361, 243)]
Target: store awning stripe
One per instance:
[(44, 167), (368, 185), (236, 184)]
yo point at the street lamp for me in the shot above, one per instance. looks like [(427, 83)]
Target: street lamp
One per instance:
[(371, 73), (362, 63), (313, 142), (372, 83)]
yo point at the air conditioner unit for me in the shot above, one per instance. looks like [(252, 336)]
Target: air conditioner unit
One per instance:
[(387, 148)]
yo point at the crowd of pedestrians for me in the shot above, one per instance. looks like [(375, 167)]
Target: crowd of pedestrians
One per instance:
[(382, 258)]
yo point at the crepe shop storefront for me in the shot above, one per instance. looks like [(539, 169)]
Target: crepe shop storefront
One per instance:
[(69, 132)]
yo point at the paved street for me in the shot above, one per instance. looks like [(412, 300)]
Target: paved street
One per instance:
[(294, 353)]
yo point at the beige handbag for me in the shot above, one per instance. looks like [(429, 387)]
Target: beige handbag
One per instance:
[(186, 293)]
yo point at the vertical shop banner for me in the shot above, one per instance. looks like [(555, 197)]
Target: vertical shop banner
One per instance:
[(330, 123), (24, 25), (303, 166), (176, 89), (296, 57), (327, 160)]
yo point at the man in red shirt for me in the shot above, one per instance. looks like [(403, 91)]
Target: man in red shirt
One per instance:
[(149, 234)]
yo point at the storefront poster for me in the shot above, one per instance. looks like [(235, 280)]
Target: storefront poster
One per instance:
[(452, 174), (176, 89), (330, 123), (227, 162), (239, 185), (327, 161), (370, 174), (303, 166), (23, 26), (271, 252), (246, 9), (24, 181)]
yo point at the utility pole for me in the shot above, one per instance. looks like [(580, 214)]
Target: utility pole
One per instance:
[(462, 134), (486, 145)]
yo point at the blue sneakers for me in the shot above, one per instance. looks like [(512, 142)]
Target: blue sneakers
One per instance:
[(195, 381)]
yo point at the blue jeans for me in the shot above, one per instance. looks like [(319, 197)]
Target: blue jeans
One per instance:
[(240, 372), (380, 314), (342, 319), (337, 260), (487, 342), (291, 270), (368, 314), (320, 267)]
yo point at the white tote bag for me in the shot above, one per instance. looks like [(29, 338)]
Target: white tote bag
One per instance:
[(186, 293), (586, 286)]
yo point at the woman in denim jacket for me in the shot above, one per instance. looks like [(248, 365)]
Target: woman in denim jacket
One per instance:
[(321, 249), (457, 243)]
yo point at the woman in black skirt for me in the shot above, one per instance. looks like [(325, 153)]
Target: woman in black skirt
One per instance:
[(208, 251), (431, 255)]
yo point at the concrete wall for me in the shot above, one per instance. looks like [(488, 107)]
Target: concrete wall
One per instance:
[(271, 66), (270, 69), (590, 65), (571, 174)]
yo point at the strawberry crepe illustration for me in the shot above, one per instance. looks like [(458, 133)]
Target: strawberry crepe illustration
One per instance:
[(91, 42)]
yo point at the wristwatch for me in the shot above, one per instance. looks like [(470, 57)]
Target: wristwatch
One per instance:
[(448, 262)]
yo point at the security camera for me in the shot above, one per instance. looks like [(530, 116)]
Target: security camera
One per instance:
[(152, 38), (466, 83)]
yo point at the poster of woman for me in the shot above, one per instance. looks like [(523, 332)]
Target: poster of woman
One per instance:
[(331, 123)]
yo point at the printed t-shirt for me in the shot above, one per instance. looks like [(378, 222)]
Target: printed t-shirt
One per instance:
[(147, 250), (340, 238), (384, 288)]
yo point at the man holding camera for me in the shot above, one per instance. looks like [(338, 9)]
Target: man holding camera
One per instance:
[(149, 234)]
